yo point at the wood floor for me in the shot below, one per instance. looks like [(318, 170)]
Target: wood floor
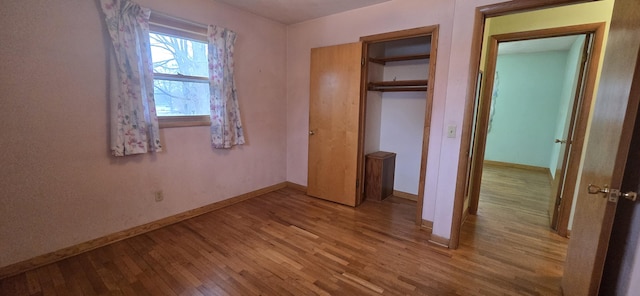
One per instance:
[(286, 243), (511, 232)]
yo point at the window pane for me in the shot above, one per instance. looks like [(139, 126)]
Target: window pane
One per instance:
[(179, 98), (174, 55)]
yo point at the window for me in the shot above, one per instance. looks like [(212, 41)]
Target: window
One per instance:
[(179, 52)]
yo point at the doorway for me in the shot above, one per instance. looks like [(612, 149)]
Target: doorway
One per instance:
[(342, 76), (535, 102), (563, 137), (608, 136), (398, 75)]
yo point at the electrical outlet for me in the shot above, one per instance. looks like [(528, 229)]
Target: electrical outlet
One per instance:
[(451, 131), (159, 196)]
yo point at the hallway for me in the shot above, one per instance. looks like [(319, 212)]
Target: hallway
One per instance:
[(511, 230)]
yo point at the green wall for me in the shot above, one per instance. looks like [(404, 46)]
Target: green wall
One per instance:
[(529, 91)]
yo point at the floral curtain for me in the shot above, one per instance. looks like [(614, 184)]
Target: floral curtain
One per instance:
[(226, 127), (134, 123)]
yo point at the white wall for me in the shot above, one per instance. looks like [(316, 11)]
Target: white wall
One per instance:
[(373, 122), (59, 186), (455, 19), (402, 129), (56, 166)]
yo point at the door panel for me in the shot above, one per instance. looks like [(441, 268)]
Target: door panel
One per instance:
[(560, 171), (606, 151), (334, 117)]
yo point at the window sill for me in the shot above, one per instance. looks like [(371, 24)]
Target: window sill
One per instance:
[(183, 121)]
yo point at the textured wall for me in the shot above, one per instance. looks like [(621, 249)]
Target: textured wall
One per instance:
[(456, 30), (59, 186), (455, 19)]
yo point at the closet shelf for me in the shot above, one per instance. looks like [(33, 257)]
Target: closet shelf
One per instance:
[(383, 61), (402, 85)]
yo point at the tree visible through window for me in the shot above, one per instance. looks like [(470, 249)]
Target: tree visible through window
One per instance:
[(180, 66)]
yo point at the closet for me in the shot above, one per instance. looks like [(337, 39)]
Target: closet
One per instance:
[(370, 96), (396, 100)]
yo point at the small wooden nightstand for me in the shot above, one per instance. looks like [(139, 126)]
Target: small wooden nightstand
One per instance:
[(379, 173)]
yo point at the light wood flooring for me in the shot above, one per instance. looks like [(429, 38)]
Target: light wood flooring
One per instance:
[(286, 243), (511, 231)]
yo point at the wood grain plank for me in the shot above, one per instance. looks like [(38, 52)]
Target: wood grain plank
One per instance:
[(33, 284), (48, 258), (334, 119), (287, 243)]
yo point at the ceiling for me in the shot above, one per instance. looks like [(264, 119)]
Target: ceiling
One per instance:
[(295, 11), (537, 45)]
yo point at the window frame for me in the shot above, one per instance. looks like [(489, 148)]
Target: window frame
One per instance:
[(168, 25)]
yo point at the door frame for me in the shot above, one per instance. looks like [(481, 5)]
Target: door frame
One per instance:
[(555, 216), (481, 14), (403, 34), (583, 108)]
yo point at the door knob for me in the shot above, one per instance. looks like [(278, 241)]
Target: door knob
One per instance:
[(611, 194), (311, 133), (561, 141), (593, 189)]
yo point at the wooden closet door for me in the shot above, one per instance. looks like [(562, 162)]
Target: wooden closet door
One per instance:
[(334, 116)]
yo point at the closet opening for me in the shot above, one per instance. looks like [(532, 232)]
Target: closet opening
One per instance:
[(397, 95)]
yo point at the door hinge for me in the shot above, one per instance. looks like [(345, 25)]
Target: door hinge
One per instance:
[(612, 195), (357, 183), (362, 62)]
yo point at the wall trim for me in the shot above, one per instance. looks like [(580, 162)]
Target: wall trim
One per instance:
[(405, 195), (427, 225), (465, 215), (296, 186), (439, 240), (61, 254), (516, 165)]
